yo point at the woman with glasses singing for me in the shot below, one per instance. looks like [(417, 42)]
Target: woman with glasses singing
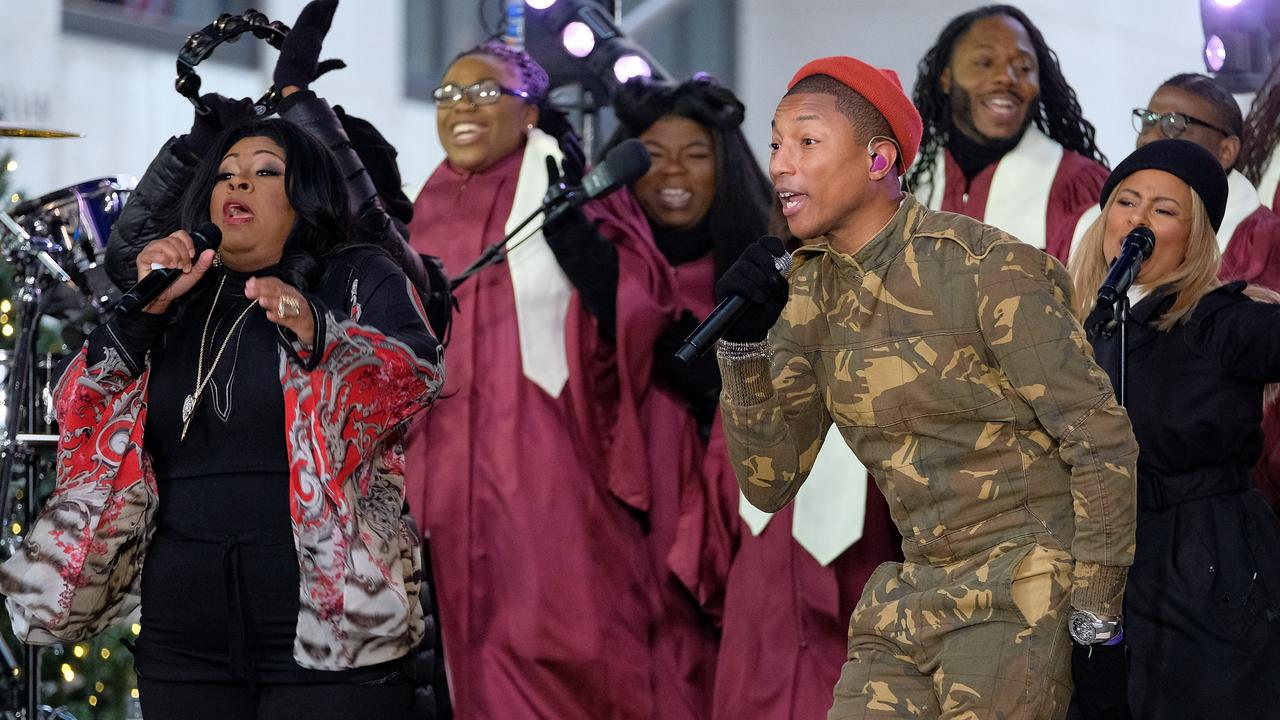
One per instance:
[(1202, 604), (533, 479)]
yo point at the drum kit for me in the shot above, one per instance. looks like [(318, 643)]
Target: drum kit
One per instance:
[(55, 248)]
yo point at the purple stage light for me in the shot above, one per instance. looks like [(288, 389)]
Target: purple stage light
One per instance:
[(1227, 3), (540, 4), (1215, 53), (629, 66), (578, 39)]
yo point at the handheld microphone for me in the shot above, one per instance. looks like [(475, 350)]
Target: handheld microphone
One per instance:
[(722, 318), (624, 164), (1137, 247), (206, 236)]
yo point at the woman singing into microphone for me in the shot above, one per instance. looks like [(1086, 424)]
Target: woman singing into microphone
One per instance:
[(1202, 608), (242, 434)]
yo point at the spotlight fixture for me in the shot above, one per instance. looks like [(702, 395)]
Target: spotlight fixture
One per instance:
[(1241, 39), (577, 41)]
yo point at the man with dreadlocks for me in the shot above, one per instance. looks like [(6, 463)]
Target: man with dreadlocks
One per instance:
[(1261, 140), (945, 353), (1004, 140)]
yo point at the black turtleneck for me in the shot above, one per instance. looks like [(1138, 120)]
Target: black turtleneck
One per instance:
[(683, 246), (974, 156)]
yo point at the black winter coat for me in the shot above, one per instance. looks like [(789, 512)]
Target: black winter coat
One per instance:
[(1202, 608)]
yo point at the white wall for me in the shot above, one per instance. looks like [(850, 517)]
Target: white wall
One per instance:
[(1114, 53), (121, 96)]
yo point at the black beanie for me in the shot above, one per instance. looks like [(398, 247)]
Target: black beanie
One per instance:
[(1187, 161)]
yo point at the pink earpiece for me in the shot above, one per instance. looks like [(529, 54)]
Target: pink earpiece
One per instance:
[(879, 163)]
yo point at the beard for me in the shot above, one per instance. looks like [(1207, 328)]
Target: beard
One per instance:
[(961, 107)]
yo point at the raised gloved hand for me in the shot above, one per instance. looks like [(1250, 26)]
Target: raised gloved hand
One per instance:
[(1101, 675), (299, 64), (224, 112), (755, 276)]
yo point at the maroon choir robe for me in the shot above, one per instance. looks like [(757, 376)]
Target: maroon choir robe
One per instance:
[(689, 636), (1072, 183), (534, 504), (784, 618)]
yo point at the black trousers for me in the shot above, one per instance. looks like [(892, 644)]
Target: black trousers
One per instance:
[(169, 700)]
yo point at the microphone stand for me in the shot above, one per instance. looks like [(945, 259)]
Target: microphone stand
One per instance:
[(494, 254), (1121, 315)]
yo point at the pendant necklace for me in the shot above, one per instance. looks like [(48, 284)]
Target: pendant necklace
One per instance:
[(202, 379)]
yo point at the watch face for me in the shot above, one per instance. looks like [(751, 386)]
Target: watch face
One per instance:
[(1082, 629)]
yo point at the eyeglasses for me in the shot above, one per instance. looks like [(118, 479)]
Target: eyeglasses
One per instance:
[(1172, 124), (485, 92)]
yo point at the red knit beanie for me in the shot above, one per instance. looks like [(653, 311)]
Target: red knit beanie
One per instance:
[(882, 89)]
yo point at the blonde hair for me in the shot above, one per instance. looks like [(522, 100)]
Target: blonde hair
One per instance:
[(1195, 277)]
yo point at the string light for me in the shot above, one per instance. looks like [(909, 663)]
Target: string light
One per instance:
[(16, 528), (93, 701), (67, 673), (7, 330), (136, 628), (105, 654), (133, 693), (5, 305), (15, 198), (80, 651), (12, 166), (99, 686)]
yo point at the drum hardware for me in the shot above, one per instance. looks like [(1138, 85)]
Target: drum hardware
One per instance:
[(35, 257)]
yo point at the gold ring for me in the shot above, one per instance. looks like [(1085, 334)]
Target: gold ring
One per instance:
[(288, 301)]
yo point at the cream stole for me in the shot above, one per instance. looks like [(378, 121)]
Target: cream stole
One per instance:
[(830, 508), (1018, 201)]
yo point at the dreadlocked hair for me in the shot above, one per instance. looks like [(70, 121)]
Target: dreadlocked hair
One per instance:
[(740, 207), (1261, 129), (1057, 112)]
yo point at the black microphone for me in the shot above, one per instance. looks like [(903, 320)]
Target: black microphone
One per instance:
[(1136, 248), (206, 236), (623, 165), (722, 318)]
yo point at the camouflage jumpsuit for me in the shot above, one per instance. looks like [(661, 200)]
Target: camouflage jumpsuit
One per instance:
[(945, 353)]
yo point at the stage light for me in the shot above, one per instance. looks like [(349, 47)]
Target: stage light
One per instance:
[(578, 39), (1240, 41), (540, 4), (1215, 53), (629, 66)]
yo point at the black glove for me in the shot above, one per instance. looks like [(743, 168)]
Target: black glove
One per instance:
[(1101, 675), (224, 112), (589, 261), (300, 53), (755, 277)]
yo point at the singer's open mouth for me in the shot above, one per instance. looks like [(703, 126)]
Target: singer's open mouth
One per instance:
[(235, 212)]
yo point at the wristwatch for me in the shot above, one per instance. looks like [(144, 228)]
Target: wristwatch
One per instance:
[(1089, 629)]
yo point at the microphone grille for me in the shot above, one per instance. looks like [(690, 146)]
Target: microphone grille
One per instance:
[(783, 263), (206, 236)]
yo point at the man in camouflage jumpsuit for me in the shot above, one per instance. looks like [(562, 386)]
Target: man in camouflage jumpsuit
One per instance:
[(944, 351)]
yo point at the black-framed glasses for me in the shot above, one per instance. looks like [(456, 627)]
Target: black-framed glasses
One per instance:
[(485, 92), (1172, 124)]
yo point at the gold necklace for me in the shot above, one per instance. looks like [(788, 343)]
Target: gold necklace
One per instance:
[(192, 400)]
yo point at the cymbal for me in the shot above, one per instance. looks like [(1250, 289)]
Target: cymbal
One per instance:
[(15, 130)]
